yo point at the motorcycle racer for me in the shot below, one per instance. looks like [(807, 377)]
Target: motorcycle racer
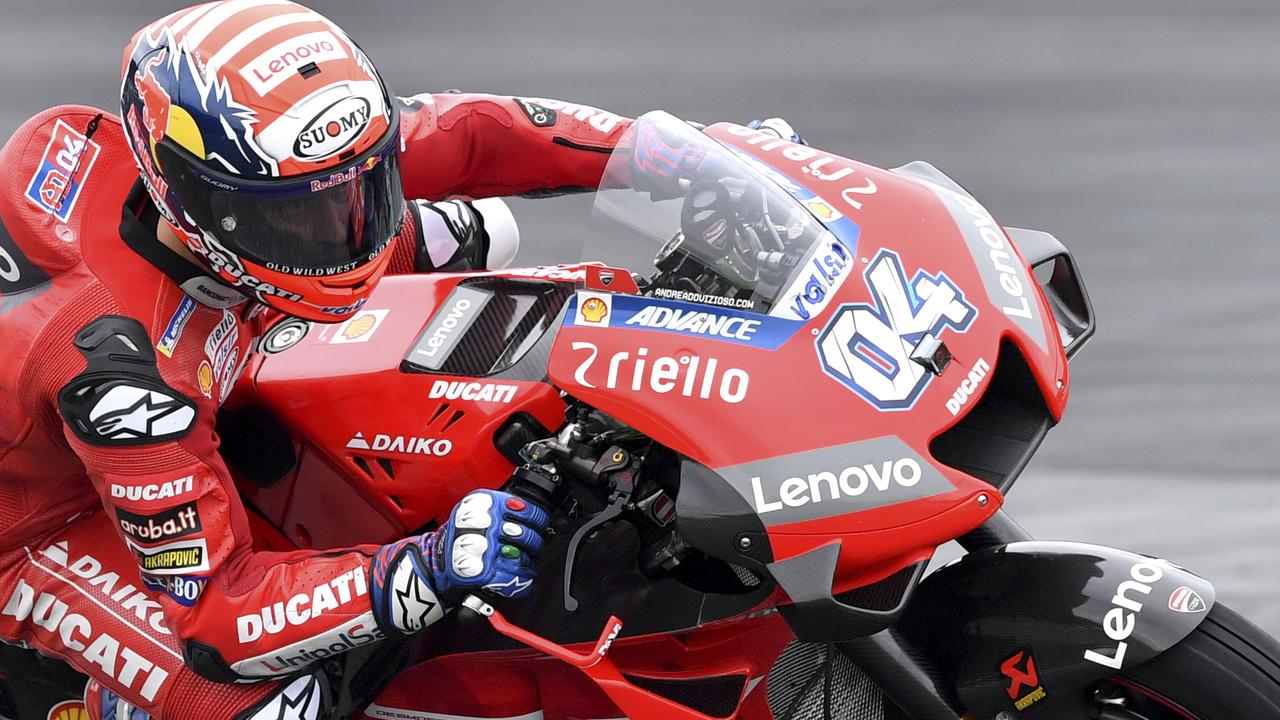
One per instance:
[(259, 162)]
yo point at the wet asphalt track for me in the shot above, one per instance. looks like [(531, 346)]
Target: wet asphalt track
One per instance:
[(1145, 135)]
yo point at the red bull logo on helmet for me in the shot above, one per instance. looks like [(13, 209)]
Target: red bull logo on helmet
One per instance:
[(217, 128)]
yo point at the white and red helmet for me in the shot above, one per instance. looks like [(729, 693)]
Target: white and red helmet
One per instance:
[(271, 144)]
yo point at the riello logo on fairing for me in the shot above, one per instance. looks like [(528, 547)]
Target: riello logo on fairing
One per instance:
[(691, 376)]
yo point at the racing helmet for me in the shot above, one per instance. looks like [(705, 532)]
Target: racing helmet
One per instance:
[(269, 142)]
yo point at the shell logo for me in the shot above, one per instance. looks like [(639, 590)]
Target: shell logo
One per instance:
[(822, 209), (68, 710), (204, 376), (594, 310), (359, 326)]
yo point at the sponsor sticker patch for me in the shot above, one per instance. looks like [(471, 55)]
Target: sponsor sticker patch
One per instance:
[(539, 115), (359, 328), (68, 160), (333, 129), (407, 444), (68, 710), (270, 69), (162, 526), (1024, 681), (594, 309), (173, 331), (184, 589), (204, 377), (179, 558), (641, 313)]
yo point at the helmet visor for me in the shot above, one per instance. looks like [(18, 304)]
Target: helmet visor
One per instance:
[(324, 223)]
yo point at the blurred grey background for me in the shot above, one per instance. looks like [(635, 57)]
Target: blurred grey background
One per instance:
[(1144, 134)]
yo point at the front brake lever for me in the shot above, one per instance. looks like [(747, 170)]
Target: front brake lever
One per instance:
[(605, 516), (616, 461)]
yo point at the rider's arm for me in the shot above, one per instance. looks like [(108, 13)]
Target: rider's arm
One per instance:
[(473, 145), (173, 502)]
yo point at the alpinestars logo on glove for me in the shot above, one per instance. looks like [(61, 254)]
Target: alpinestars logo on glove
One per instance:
[(127, 412), (415, 610)]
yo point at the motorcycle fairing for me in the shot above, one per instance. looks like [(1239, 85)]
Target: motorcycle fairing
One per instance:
[(1079, 613)]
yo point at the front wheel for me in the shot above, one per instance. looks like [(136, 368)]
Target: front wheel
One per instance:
[(1227, 669)]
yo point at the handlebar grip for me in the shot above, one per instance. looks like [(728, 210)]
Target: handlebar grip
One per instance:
[(538, 488)]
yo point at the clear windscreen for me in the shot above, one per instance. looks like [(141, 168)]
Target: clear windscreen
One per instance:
[(703, 223)]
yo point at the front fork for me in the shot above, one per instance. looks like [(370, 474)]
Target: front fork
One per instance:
[(906, 676)]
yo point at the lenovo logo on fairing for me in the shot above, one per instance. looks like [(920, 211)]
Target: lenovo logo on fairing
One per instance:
[(1119, 622), (835, 480), (818, 487), (448, 326)]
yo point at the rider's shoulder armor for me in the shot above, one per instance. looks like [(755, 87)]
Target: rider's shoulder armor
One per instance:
[(57, 166)]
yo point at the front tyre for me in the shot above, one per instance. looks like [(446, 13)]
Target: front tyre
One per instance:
[(1227, 669)]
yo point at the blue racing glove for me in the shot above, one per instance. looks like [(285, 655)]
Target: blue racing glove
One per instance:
[(778, 127), (660, 161), (489, 543)]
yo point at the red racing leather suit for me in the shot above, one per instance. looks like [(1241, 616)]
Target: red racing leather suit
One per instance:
[(126, 555)]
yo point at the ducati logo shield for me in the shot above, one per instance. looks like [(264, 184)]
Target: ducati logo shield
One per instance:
[(1186, 600)]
